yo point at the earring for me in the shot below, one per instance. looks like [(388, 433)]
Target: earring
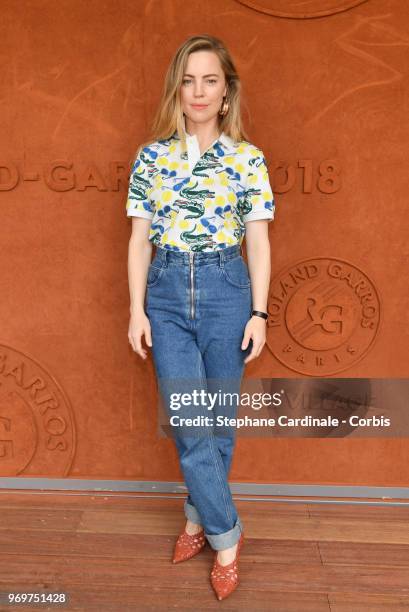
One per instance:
[(225, 107)]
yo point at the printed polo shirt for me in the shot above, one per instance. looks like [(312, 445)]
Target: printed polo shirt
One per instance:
[(199, 202)]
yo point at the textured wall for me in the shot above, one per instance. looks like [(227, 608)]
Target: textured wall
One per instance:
[(325, 97)]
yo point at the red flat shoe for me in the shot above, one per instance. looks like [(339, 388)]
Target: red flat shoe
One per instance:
[(187, 546), (225, 578)]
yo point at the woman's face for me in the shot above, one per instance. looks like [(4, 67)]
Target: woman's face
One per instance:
[(203, 84)]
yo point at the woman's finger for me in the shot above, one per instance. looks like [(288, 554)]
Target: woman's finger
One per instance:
[(148, 335), (246, 339)]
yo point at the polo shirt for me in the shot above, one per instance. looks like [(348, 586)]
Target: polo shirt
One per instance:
[(199, 202)]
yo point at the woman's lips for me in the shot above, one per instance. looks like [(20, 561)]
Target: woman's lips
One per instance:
[(199, 106)]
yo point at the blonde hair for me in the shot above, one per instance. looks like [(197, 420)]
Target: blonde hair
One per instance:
[(169, 115)]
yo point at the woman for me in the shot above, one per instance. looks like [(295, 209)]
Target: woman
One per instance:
[(195, 190)]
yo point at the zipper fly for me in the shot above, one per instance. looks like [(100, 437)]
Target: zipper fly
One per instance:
[(192, 286)]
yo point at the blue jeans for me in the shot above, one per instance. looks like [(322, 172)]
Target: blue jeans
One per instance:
[(198, 304)]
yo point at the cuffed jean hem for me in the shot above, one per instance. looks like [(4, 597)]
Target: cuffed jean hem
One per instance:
[(221, 541), (191, 513), (218, 541)]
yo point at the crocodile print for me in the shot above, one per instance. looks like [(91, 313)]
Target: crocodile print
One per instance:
[(225, 578), (187, 546)]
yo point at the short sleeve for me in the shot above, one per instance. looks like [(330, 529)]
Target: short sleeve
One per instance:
[(258, 197), (138, 203)]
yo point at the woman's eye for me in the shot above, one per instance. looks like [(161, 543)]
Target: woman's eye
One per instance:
[(186, 81)]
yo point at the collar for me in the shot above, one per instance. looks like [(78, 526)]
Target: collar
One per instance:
[(226, 140)]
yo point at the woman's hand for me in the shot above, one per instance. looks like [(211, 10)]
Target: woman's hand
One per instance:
[(139, 325), (256, 330)]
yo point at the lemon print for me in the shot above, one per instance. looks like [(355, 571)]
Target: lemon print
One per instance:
[(254, 152), (183, 224)]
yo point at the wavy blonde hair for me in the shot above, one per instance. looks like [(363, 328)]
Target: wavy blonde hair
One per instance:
[(169, 114)]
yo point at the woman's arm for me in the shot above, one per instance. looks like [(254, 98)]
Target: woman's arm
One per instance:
[(258, 257), (139, 259)]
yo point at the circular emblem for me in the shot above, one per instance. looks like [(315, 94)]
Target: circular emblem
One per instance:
[(37, 434), (324, 314), (300, 10)]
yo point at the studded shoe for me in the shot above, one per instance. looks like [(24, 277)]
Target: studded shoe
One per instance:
[(225, 578), (187, 546)]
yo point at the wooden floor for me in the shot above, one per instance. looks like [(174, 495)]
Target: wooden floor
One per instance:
[(112, 552)]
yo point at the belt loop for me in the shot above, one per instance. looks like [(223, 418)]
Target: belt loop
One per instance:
[(221, 257), (165, 258)]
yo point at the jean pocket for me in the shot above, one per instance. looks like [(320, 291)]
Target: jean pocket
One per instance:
[(154, 275), (236, 272)]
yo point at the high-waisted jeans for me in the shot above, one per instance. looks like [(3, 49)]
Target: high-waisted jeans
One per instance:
[(198, 304)]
